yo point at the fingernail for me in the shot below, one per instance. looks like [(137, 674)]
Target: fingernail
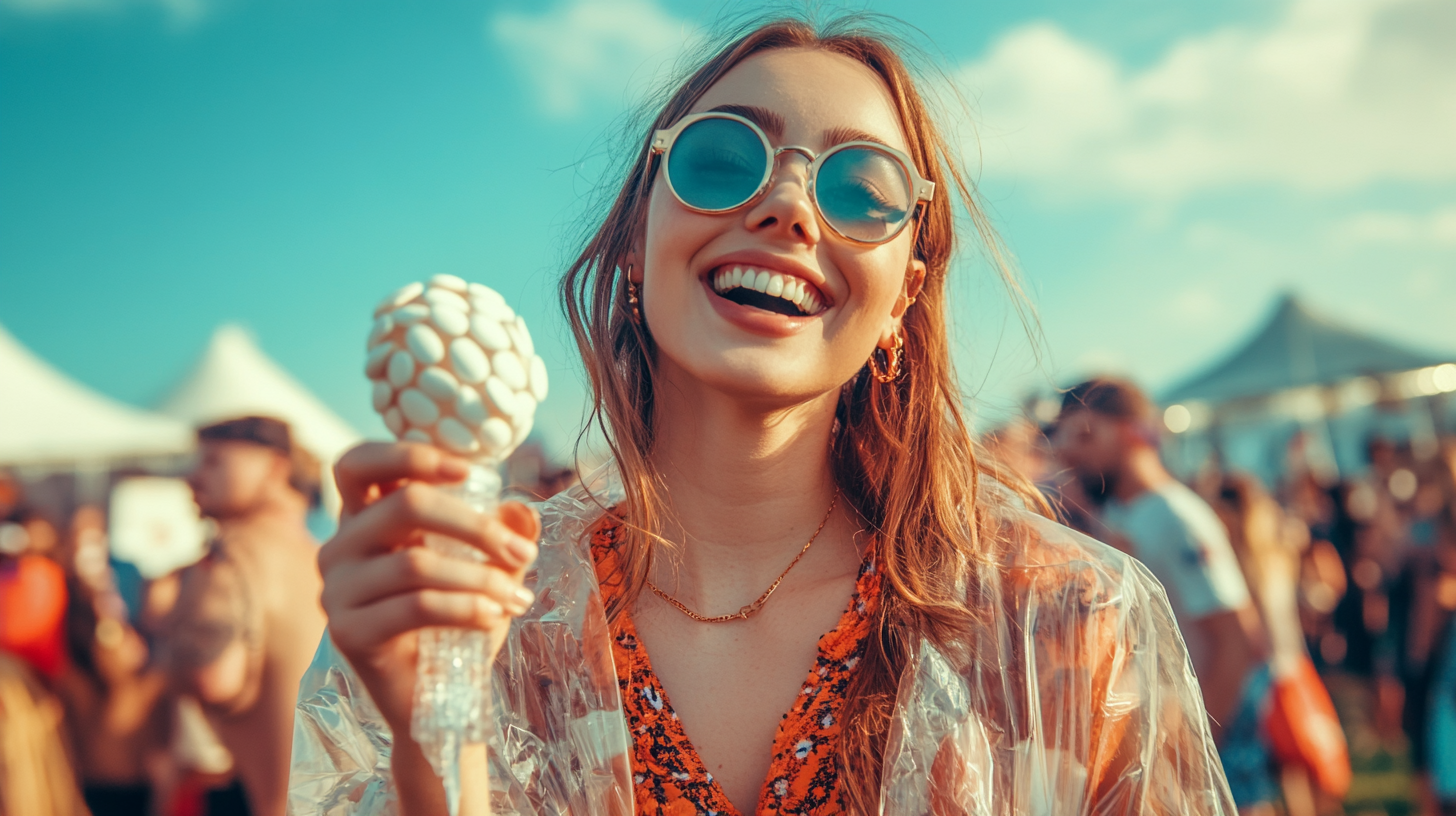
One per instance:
[(452, 468), (524, 598), (522, 550)]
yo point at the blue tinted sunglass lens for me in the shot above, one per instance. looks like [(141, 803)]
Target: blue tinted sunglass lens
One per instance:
[(863, 194), (716, 164)]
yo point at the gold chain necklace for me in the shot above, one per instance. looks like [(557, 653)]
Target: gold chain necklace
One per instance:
[(745, 612)]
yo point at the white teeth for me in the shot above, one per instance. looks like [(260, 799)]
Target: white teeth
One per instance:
[(774, 284), (794, 291)]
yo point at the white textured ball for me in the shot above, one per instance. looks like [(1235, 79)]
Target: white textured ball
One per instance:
[(383, 395), (454, 366), (376, 361)]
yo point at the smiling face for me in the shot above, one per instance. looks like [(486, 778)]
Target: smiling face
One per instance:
[(766, 302)]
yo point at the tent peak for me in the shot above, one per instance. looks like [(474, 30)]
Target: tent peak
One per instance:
[(48, 418), (1296, 346), (234, 377)]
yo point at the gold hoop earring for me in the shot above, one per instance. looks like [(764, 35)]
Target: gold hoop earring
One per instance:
[(894, 357), (634, 301)]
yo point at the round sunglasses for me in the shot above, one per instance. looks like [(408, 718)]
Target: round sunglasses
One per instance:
[(716, 162)]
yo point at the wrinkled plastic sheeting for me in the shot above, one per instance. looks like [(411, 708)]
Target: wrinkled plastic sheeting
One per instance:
[(1072, 694), (559, 743)]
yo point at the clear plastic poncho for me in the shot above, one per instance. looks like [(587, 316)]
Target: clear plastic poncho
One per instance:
[(1074, 695)]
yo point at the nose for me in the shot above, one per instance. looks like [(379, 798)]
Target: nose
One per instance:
[(785, 209)]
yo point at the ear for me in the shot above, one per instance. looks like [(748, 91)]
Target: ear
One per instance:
[(914, 282)]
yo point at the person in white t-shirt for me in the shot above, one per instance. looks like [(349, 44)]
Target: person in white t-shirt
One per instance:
[(1107, 435)]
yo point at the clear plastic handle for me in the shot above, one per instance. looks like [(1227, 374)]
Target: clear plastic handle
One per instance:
[(452, 705)]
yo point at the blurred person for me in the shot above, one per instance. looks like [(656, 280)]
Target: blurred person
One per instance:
[(116, 704), (1107, 435), (1417, 616), (1322, 578), (1378, 502), (32, 595), (1019, 446), (247, 617), (1309, 744), (1440, 779), (36, 777)]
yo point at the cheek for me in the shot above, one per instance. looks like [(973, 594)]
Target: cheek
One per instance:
[(241, 476), (875, 278), (674, 234)]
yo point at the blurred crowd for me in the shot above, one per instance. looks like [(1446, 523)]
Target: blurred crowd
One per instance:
[(1296, 588), (169, 696), (173, 696)]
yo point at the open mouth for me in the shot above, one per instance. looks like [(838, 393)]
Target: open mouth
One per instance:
[(767, 290)]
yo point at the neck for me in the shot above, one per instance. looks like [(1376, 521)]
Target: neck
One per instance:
[(746, 487), (1143, 471)]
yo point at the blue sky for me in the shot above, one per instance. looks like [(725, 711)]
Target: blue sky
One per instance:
[(1161, 171)]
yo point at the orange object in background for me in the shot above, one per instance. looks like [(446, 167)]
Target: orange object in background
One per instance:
[(33, 611), (1304, 729)]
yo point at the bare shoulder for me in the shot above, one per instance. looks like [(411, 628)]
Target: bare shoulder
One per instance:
[(280, 562)]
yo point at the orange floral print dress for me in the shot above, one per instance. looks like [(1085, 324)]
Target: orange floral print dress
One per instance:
[(670, 779)]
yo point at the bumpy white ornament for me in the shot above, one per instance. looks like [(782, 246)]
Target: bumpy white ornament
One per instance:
[(439, 353), (453, 366)]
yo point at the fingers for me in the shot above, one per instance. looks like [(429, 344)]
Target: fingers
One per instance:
[(385, 463), (417, 507), (378, 622), (418, 568)]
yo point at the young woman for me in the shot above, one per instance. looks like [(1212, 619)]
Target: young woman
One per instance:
[(794, 521)]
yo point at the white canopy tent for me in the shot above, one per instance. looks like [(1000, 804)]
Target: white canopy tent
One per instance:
[(234, 378), (48, 420)]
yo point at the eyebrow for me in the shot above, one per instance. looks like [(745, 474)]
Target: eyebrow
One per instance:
[(770, 122), (773, 125), (840, 135)]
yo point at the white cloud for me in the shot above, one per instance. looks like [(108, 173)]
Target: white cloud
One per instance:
[(1194, 305), (1332, 96), (1434, 229), (179, 11), (585, 51)]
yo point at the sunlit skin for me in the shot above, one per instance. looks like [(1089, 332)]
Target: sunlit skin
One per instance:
[(232, 478), (745, 409), (264, 597)]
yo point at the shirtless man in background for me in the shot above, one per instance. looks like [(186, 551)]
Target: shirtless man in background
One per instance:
[(248, 619)]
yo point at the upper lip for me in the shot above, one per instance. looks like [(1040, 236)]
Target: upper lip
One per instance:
[(776, 263)]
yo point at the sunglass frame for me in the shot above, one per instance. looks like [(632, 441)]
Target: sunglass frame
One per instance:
[(921, 189)]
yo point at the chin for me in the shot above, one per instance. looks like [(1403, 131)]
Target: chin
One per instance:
[(758, 376)]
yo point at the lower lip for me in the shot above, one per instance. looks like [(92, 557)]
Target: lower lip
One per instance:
[(755, 320)]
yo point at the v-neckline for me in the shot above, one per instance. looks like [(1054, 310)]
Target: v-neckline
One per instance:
[(716, 801)]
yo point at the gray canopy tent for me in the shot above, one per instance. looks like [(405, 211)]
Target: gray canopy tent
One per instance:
[(1297, 348), (1325, 378)]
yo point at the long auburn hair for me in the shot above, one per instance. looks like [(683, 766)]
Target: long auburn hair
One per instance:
[(903, 456)]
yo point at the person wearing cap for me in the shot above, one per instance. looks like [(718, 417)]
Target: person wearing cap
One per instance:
[(1107, 435), (248, 617)]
